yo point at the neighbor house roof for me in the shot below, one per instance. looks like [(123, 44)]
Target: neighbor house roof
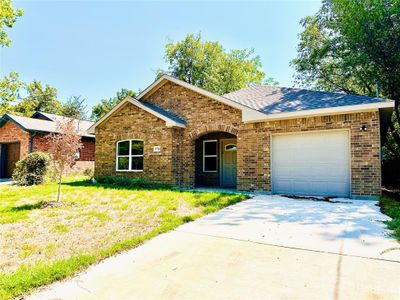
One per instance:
[(278, 100), (83, 125), (39, 125)]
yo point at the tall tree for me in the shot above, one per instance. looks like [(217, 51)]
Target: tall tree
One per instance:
[(208, 65), (8, 16), (75, 107), (353, 46), (39, 98), (106, 105), (10, 89)]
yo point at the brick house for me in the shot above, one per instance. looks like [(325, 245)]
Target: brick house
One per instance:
[(20, 136), (268, 139)]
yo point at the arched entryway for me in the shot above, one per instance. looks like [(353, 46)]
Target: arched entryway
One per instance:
[(216, 160)]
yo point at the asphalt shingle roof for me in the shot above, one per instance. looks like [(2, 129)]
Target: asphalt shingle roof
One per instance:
[(272, 100), (83, 124), (33, 124)]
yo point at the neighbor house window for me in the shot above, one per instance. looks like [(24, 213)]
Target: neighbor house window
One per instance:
[(210, 156), (129, 155)]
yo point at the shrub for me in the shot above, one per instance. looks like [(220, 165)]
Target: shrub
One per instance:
[(89, 172), (32, 169), (133, 183)]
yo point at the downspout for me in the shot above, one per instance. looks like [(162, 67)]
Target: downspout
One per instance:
[(32, 135)]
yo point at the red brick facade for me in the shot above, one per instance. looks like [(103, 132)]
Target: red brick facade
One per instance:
[(176, 163), (10, 133), (30, 142)]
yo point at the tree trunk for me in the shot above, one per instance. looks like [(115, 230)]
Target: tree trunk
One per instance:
[(59, 185)]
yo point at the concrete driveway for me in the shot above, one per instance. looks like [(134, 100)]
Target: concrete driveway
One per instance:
[(268, 247)]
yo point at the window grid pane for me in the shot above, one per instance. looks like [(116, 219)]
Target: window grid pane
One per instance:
[(210, 154), (210, 148), (130, 155)]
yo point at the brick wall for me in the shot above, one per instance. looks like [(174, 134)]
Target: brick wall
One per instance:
[(176, 163), (88, 149), (124, 125), (255, 140), (11, 132), (202, 114), (40, 143)]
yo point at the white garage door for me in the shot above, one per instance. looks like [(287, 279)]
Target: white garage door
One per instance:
[(311, 163)]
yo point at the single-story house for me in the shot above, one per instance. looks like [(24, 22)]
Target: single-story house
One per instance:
[(20, 136), (261, 138)]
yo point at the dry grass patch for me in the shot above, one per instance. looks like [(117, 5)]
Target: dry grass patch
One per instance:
[(93, 222)]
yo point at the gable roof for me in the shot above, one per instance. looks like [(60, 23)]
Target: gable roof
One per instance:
[(171, 120), (45, 126), (248, 112), (262, 103), (272, 100)]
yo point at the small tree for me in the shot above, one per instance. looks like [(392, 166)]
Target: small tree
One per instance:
[(63, 147)]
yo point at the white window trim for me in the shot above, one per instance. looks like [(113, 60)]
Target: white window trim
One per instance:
[(204, 155), (129, 156), (230, 150)]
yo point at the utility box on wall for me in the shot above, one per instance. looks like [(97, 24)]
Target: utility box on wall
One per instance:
[(157, 149)]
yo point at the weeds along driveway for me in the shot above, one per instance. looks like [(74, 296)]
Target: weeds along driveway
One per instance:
[(268, 247)]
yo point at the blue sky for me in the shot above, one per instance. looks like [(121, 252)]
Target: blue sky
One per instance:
[(94, 48)]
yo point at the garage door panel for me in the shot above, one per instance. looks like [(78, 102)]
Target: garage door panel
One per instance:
[(311, 163)]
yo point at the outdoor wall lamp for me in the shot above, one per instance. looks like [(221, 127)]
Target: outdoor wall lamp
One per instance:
[(363, 128)]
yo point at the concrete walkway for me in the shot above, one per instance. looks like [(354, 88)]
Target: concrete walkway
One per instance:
[(4, 181), (268, 247)]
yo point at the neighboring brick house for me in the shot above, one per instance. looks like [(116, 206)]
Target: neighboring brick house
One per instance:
[(20, 136), (268, 139)]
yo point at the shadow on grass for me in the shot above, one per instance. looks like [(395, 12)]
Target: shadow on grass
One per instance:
[(24, 207), (88, 183)]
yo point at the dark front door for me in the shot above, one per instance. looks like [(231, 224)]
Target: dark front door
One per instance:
[(12, 156)]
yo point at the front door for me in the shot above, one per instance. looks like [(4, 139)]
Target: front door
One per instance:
[(228, 153), (12, 157)]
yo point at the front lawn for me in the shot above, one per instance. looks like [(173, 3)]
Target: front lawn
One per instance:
[(391, 206), (41, 243)]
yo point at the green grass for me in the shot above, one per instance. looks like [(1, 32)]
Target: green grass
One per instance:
[(391, 207), (105, 218)]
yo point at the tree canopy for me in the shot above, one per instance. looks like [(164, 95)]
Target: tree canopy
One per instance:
[(106, 105), (8, 16), (75, 107), (353, 46), (18, 97), (208, 65)]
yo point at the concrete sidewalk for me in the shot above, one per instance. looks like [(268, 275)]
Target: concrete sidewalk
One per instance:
[(228, 255)]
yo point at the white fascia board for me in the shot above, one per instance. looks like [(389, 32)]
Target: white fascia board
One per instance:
[(247, 112), (322, 111)]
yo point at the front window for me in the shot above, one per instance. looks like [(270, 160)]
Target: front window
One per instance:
[(210, 159), (130, 155)]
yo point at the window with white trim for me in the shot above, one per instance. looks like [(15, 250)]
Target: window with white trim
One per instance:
[(210, 156), (130, 155)]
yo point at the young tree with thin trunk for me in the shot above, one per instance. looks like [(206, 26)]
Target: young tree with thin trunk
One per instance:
[(63, 148)]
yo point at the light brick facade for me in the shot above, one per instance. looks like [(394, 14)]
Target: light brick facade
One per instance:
[(176, 163)]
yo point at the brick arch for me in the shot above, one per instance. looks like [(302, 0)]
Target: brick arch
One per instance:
[(213, 128)]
